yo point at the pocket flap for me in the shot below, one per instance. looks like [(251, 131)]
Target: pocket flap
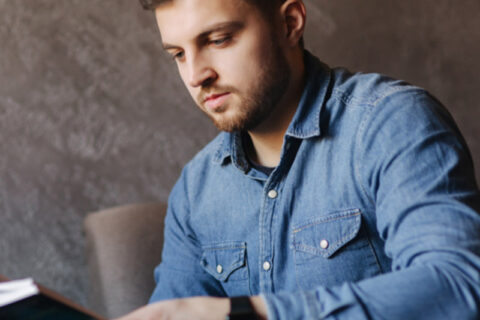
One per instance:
[(221, 259), (325, 235)]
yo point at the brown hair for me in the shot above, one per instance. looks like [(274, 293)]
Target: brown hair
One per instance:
[(265, 5)]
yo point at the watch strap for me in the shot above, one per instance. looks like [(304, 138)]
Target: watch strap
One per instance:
[(241, 309)]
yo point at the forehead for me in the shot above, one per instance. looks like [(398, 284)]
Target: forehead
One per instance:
[(179, 19)]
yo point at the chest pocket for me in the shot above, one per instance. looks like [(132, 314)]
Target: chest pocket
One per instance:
[(332, 249), (227, 262)]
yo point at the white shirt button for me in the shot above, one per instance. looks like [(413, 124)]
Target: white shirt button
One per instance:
[(219, 268), (272, 194), (266, 266), (324, 244)]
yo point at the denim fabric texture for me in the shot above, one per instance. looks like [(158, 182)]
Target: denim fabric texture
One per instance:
[(372, 212)]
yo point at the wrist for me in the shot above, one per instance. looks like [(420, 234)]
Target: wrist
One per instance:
[(259, 306)]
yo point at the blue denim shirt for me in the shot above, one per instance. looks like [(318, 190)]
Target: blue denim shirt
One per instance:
[(372, 211)]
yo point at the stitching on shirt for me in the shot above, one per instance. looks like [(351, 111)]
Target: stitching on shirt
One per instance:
[(331, 250), (372, 249), (224, 248), (392, 91), (229, 270), (335, 216), (346, 98), (342, 241), (349, 99), (361, 131), (225, 245), (358, 164)]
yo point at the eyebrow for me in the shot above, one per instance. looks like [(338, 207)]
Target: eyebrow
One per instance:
[(231, 26)]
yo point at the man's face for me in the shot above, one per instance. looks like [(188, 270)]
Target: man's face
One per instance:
[(228, 58)]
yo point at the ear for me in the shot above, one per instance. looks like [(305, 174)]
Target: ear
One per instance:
[(295, 17)]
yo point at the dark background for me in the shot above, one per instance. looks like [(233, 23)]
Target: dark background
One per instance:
[(94, 115)]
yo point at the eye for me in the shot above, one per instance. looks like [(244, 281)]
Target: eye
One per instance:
[(221, 41), (178, 55)]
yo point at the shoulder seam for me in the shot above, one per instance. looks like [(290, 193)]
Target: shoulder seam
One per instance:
[(347, 98)]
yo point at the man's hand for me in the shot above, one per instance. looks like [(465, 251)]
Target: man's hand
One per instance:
[(198, 308), (201, 308)]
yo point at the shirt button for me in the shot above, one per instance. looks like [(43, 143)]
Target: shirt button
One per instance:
[(219, 268), (272, 194), (266, 266), (324, 244)]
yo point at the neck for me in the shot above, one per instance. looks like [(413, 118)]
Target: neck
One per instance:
[(267, 138)]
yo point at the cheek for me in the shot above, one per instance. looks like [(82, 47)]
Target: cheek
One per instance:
[(183, 75), (255, 54), (240, 67)]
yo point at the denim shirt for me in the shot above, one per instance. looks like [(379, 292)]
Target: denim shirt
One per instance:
[(372, 212)]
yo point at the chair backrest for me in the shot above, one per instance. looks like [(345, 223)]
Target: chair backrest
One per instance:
[(123, 246)]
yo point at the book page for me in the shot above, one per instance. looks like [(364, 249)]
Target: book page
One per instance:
[(12, 291)]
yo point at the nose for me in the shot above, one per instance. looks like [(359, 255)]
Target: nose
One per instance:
[(200, 72)]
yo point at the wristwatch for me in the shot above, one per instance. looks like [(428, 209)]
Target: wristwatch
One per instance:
[(241, 309)]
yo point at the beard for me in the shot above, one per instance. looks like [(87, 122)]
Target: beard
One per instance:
[(255, 105)]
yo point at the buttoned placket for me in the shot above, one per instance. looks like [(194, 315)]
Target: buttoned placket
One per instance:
[(271, 196), (269, 201)]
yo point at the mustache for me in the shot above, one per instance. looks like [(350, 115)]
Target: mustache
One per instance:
[(205, 92)]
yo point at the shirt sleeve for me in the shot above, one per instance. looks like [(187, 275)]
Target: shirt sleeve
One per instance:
[(416, 169), (180, 273)]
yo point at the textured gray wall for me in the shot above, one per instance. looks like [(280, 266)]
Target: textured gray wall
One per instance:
[(93, 115)]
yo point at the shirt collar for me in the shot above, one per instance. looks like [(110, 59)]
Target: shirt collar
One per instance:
[(306, 121)]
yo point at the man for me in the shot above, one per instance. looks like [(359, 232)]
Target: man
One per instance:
[(327, 195)]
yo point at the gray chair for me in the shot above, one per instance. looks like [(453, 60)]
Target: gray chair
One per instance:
[(123, 246)]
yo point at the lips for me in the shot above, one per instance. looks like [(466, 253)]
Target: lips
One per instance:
[(213, 102)]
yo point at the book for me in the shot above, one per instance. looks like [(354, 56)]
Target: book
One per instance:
[(26, 300)]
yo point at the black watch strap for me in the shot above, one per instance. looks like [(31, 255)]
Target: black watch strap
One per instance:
[(241, 309)]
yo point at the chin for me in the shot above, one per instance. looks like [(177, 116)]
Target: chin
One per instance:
[(228, 125)]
